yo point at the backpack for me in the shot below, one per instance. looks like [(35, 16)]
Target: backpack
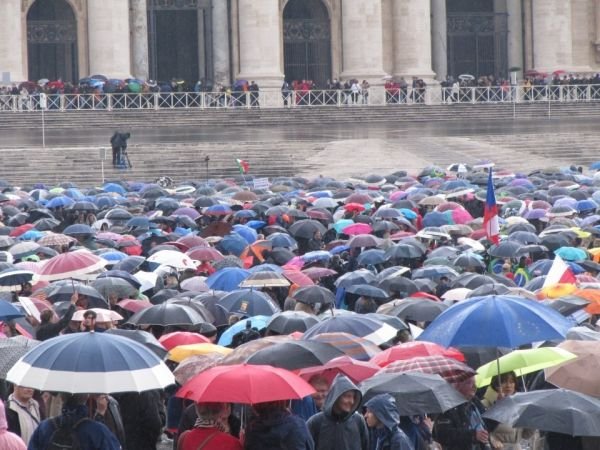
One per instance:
[(65, 437)]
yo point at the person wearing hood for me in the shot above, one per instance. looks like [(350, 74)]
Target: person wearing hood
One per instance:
[(339, 426), (8, 440), (275, 428), (382, 418)]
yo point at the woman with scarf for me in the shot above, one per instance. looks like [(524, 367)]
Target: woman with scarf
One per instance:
[(211, 430)]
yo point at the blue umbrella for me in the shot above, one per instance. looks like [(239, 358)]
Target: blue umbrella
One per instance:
[(78, 229), (114, 187), (317, 255), (496, 321), (245, 214), (233, 244), (586, 205), (366, 290), (138, 222), (258, 322), (339, 249), (595, 166), (249, 234), (282, 240), (434, 272), (227, 279), (113, 256), (218, 210), (75, 194), (249, 302), (256, 224), (59, 202), (371, 257), (105, 202), (91, 362), (265, 268), (31, 235), (435, 219), (8, 311), (571, 253), (408, 213)]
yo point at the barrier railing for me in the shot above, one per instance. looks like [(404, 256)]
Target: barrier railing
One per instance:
[(375, 96)]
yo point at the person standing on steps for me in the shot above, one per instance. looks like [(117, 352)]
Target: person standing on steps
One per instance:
[(118, 142)]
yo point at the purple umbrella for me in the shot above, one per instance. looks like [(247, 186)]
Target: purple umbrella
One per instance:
[(535, 214), (190, 212)]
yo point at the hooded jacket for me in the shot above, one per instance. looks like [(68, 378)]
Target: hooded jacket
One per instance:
[(331, 431), (8, 440), (278, 430), (390, 437)]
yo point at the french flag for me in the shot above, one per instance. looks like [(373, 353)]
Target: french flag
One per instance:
[(560, 272), (490, 215)]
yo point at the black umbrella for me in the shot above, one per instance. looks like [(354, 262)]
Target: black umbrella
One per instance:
[(399, 284), (524, 237), (306, 228), (166, 314), (46, 224), (249, 302), (163, 295), (63, 291), (280, 255), (568, 305), (288, 322), (295, 355), (475, 357), (472, 281), (361, 276), (211, 301), (417, 309), (144, 338), (489, 289), (404, 251), (506, 249), (196, 305), (12, 279), (392, 321), (468, 261), (123, 275), (556, 241), (314, 295), (415, 393), (366, 290), (555, 410)]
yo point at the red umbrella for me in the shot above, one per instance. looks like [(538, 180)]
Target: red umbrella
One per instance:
[(364, 240), (451, 370), (421, 294), (18, 231), (358, 198), (172, 340), (244, 383), (71, 265), (192, 241), (357, 228), (297, 277), (409, 350), (133, 305), (354, 207), (357, 371), (204, 254)]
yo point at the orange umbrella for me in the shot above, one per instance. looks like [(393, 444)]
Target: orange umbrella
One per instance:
[(591, 295)]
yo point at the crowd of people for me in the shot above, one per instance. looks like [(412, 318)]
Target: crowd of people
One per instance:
[(305, 252)]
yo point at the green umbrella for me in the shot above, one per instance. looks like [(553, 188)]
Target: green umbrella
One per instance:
[(522, 362)]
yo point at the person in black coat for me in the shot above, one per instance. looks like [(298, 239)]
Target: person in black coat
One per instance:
[(143, 417), (51, 327), (118, 142)]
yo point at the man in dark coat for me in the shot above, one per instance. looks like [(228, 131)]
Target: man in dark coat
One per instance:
[(339, 426), (143, 418), (50, 326), (118, 142)]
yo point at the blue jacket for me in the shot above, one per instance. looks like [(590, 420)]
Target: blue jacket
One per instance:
[(280, 430), (92, 435), (333, 432), (390, 437)]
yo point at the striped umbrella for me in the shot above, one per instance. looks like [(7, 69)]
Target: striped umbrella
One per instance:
[(91, 362), (75, 264), (451, 370), (55, 240)]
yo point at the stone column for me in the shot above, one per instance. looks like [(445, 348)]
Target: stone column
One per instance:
[(439, 39), (108, 36), (552, 38), (362, 40), (12, 58), (260, 42), (412, 39), (515, 34), (220, 30), (139, 44)]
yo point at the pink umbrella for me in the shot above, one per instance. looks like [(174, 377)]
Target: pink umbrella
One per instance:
[(71, 265), (192, 241), (357, 228), (134, 306), (397, 195), (296, 263), (356, 370), (109, 235), (448, 206), (461, 216), (205, 254), (190, 212), (298, 278), (315, 273)]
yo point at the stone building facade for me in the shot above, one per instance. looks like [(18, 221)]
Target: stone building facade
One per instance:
[(219, 41)]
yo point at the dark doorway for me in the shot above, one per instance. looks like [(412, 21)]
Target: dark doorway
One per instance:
[(179, 40), (477, 38), (52, 41), (307, 41)]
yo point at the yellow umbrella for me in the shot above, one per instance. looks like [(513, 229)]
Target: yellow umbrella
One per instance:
[(182, 352), (558, 290)]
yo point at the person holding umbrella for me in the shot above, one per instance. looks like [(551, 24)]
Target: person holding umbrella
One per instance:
[(51, 326)]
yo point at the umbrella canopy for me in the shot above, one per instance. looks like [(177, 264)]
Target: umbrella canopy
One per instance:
[(227, 279), (249, 302), (414, 349), (91, 362), (522, 362), (194, 365), (143, 337), (415, 393), (450, 369), (417, 309), (8, 311), (11, 350), (240, 354), (294, 355), (167, 314), (172, 258), (256, 322), (366, 290), (555, 410), (353, 346), (112, 286), (496, 321), (578, 374), (315, 295), (182, 352), (63, 290), (177, 338), (357, 371), (246, 384), (288, 322), (306, 228), (264, 279), (11, 280), (358, 325), (75, 264)]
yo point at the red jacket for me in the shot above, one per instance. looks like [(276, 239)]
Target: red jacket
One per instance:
[(194, 438)]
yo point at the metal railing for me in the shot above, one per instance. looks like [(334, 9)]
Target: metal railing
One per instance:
[(375, 96)]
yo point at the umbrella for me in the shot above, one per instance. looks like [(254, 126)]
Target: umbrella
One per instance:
[(287, 322), (264, 279), (248, 302), (364, 241), (357, 371), (63, 292), (24, 249), (298, 278), (11, 350), (181, 352), (172, 258), (369, 329), (177, 338), (496, 321), (316, 273), (314, 295), (578, 374), (450, 369), (583, 334), (415, 393), (143, 337), (361, 276), (79, 230), (110, 286), (227, 279), (409, 350), (194, 365), (75, 264), (469, 261), (55, 240), (556, 410), (204, 254), (133, 305), (371, 257), (257, 322), (366, 290), (282, 240), (11, 280), (240, 354), (294, 355), (306, 228), (506, 249), (522, 362), (8, 311), (90, 362), (246, 384), (417, 310), (353, 346), (166, 314)]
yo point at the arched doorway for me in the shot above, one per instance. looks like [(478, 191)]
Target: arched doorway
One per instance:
[(477, 37), (307, 41), (180, 40), (52, 41)]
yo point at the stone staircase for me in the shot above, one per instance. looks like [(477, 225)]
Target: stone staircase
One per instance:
[(305, 154)]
